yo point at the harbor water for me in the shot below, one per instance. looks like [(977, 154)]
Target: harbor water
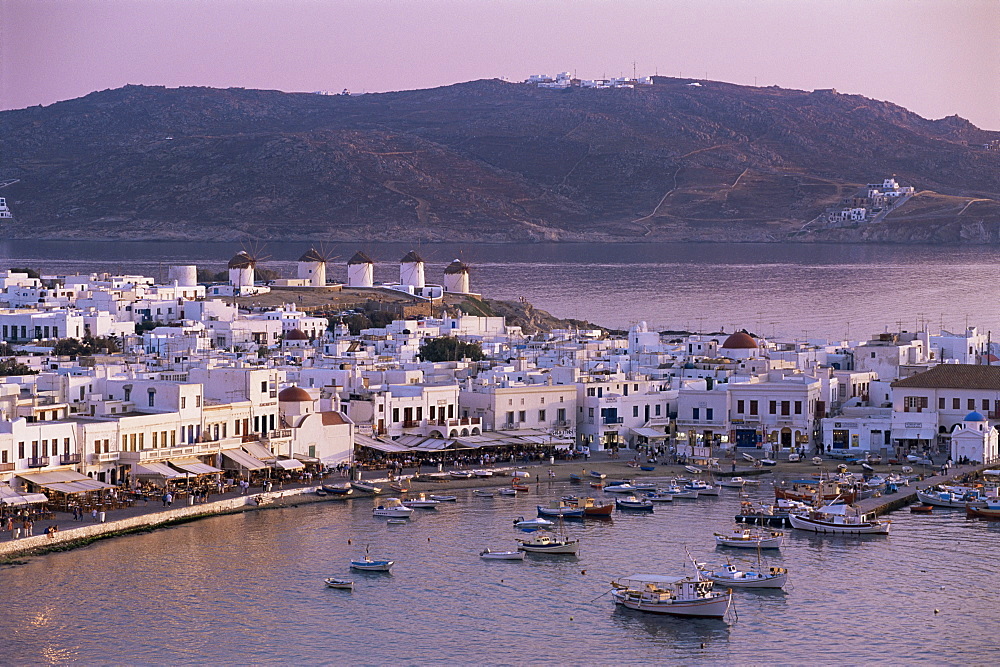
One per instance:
[(791, 290), (249, 589)]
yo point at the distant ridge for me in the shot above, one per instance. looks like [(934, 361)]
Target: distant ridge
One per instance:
[(489, 161)]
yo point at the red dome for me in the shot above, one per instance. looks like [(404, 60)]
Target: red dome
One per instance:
[(740, 340), (294, 395), (295, 334)]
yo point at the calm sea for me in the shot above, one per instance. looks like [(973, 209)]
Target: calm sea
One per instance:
[(793, 290), (248, 589)]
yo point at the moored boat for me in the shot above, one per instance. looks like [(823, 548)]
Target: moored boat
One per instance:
[(840, 519), (573, 477), (373, 564), (366, 488), (921, 509), (624, 487), (693, 470), (991, 512), (703, 488), (460, 474), (750, 539), (532, 524), (591, 507), (399, 488), (647, 468), (482, 473), (769, 462), (338, 490), (443, 498), (483, 494), (486, 554), (334, 582), (633, 503), (730, 575), (597, 475), (518, 487), (675, 596), (507, 491), (392, 507), (421, 502), (546, 544), (560, 509), (949, 496), (660, 496), (732, 483)]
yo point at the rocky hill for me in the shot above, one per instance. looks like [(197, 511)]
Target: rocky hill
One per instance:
[(488, 161)]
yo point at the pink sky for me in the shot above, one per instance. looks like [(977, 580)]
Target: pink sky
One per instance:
[(935, 57)]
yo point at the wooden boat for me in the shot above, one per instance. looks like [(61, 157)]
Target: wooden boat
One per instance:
[(921, 509), (392, 507), (817, 460), (344, 490), (597, 485), (634, 504), (334, 582), (730, 575), (482, 473), (660, 497), (422, 502), (532, 524), (321, 493), (508, 491), (483, 494), (398, 522), (748, 458), (486, 554), (620, 488), (593, 509), (560, 509), (461, 474), (794, 458), (750, 539), (597, 475), (546, 544), (443, 498), (399, 488), (647, 468), (770, 463), (808, 493), (365, 488), (991, 512), (675, 596), (693, 470), (732, 483), (519, 487), (573, 477), (840, 519), (373, 564)]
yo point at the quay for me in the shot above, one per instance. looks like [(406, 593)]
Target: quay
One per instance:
[(907, 495)]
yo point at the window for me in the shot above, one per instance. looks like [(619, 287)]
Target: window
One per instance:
[(635, 410), (197, 401), (941, 403), (510, 402), (561, 414), (773, 407), (20, 450), (451, 410), (590, 412), (521, 416), (915, 403), (956, 404), (986, 405), (709, 413), (786, 408), (156, 439), (541, 416), (542, 402), (66, 446), (739, 407), (97, 446), (695, 414), (972, 404), (753, 407), (152, 397), (798, 407), (263, 387), (560, 399), (395, 414), (657, 410), (510, 418)]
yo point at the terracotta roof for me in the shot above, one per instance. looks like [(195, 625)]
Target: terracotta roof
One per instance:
[(954, 376), (456, 267), (740, 340), (360, 258), (312, 255), (293, 395), (332, 418), (411, 258)]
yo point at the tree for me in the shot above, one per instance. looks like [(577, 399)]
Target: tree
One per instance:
[(12, 367), (71, 347), (32, 273), (447, 348)]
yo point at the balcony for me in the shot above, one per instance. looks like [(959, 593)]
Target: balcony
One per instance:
[(613, 420), (69, 459), (410, 423), (6, 467), (280, 433), (38, 462)]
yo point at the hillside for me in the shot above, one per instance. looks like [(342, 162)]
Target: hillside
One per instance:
[(488, 161)]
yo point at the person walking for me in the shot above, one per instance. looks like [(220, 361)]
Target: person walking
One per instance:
[(169, 499)]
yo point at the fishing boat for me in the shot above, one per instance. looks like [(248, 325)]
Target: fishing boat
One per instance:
[(769, 515), (422, 502), (681, 494), (546, 544), (730, 575), (794, 458), (991, 512), (949, 496), (482, 473), (748, 458), (597, 475), (867, 467), (484, 494), (373, 564), (486, 554), (750, 539), (532, 524), (334, 582), (573, 477), (921, 509), (647, 468), (399, 488), (519, 487), (732, 483), (365, 488), (321, 493), (510, 491), (676, 596), (337, 490), (840, 519), (633, 503), (461, 474), (560, 509), (570, 499), (660, 496), (392, 507), (703, 488), (443, 498), (597, 485), (592, 508), (397, 522), (624, 487), (645, 486), (811, 491), (817, 460)]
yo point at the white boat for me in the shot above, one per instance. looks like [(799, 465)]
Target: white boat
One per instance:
[(560, 509), (817, 460), (768, 462), (620, 488), (392, 507), (507, 492), (693, 470), (730, 575), (365, 488), (546, 544), (373, 564), (676, 596), (442, 498), (334, 582), (483, 494), (633, 503), (703, 488), (660, 497), (482, 473), (732, 483), (681, 494), (794, 458), (750, 539), (422, 502), (867, 467), (748, 458), (486, 554), (398, 522), (948, 497), (460, 474), (840, 519), (532, 524)]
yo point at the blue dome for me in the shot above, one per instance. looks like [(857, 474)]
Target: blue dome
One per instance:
[(974, 417), (689, 366)]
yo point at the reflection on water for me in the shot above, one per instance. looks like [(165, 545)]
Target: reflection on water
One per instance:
[(249, 588)]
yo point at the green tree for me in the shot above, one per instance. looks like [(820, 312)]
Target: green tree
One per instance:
[(71, 347), (447, 348), (12, 367), (32, 273)]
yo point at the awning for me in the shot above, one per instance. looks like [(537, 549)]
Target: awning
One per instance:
[(290, 464), (305, 458), (156, 470), (9, 496), (913, 434), (380, 445), (259, 452), (52, 476), (650, 433), (80, 486), (194, 466), (244, 460)]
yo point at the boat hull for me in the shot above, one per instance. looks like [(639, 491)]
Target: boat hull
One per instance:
[(502, 555), (372, 566), (777, 520), (765, 580), (829, 527), (765, 543), (714, 607), (561, 549), (564, 512), (982, 513)]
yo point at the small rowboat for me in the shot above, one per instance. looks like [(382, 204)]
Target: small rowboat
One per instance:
[(921, 509), (334, 582), (321, 493), (693, 470), (397, 522), (647, 468), (633, 503), (817, 460), (365, 488), (482, 473), (483, 494), (373, 564), (867, 467), (573, 477), (338, 490), (443, 499), (486, 554), (597, 485), (460, 474), (519, 487), (597, 475), (508, 492), (746, 538), (399, 488), (532, 524)]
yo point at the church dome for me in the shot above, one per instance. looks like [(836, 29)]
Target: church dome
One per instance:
[(740, 340), (293, 395), (296, 334), (974, 416)]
